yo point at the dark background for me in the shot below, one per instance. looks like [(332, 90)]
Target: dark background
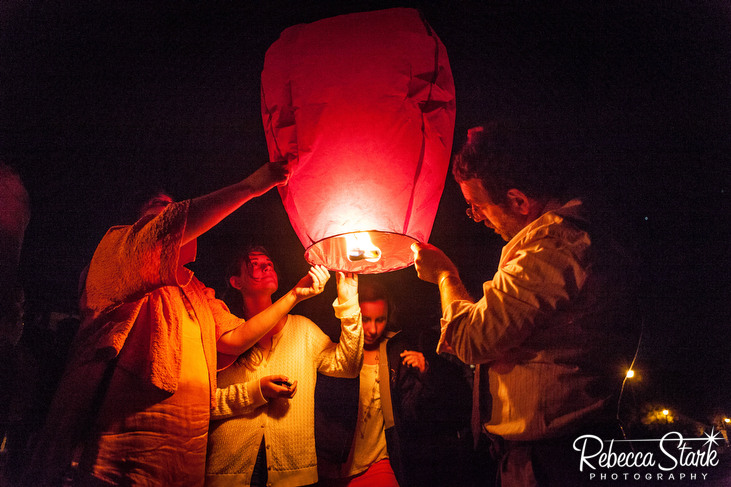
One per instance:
[(100, 100)]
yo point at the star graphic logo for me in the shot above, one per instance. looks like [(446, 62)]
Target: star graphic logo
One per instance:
[(713, 437)]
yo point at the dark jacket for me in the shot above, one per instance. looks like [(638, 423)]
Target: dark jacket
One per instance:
[(429, 438)]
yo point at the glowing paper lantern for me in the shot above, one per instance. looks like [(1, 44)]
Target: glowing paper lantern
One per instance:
[(363, 107)]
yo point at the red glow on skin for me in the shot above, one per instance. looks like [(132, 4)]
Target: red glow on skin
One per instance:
[(375, 318), (496, 217), (258, 276)]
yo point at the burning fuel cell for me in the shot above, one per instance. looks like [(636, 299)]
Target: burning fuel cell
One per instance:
[(360, 247)]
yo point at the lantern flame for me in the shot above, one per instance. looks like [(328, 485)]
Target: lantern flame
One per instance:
[(360, 247)]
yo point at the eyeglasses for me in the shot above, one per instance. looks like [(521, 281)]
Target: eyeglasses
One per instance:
[(471, 214)]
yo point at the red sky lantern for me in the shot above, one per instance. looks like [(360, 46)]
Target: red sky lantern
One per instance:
[(362, 106)]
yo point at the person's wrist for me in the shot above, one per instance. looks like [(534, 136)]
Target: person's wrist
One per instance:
[(247, 187), (446, 276), (261, 390), (295, 296), (346, 296)]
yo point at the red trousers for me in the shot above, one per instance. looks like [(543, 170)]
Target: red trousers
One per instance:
[(380, 474)]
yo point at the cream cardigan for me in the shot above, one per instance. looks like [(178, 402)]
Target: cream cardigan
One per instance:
[(242, 415)]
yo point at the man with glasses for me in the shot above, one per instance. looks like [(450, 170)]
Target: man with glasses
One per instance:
[(555, 321)]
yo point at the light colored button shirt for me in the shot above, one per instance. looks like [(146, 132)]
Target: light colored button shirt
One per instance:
[(552, 326)]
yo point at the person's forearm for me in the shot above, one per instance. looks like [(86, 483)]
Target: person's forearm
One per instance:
[(206, 211), (346, 358), (241, 338), (451, 289), (236, 399)]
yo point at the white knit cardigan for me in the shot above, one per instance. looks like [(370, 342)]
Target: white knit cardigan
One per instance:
[(242, 415)]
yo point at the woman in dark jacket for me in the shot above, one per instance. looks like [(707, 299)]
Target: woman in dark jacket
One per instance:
[(404, 421)]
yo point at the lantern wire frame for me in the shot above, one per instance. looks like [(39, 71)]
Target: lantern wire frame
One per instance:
[(332, 252)]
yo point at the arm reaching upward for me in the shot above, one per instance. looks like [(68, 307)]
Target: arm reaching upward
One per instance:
[(343, 359), (206, 211), (237, 341), (432, 265)]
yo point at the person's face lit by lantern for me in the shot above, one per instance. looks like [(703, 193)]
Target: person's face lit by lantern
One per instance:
[(257, 276), (503, 219), (375, 319)]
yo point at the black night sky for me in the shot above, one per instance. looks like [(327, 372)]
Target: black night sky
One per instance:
[(100, 99)]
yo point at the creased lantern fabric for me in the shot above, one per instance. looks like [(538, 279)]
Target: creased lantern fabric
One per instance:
[(362, 106)]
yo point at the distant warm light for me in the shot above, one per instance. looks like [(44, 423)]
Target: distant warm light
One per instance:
[(727, 420), (665, 412), (360, 247), (630, 373)]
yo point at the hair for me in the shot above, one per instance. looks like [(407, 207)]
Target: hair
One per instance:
[(13, 189), (505, 155), (142, 200), (153, 201), (242, 257)]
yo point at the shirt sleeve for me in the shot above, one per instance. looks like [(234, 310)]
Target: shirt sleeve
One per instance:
[(133, 260), (531, 285), (342, 359), (237, 399)]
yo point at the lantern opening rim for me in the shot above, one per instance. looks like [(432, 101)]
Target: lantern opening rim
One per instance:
[(395, 248)]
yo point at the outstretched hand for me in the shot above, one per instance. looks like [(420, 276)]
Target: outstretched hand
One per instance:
[(347, 286), (313, 283), (269, 175)]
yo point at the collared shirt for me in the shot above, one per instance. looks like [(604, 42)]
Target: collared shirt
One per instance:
[(552, 325)]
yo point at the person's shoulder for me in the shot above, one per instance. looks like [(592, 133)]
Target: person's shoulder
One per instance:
[(194, 282), (118, 228), (116, 231), (299, 321), (109, 246), (570, 213), (304, 329), (568, 223)]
